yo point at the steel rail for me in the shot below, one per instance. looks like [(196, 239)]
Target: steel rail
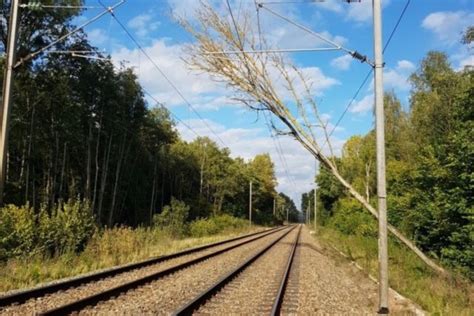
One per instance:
[(284, 281), (115, 291), (21, 297), (200, 299)]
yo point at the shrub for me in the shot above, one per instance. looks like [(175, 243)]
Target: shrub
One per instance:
[(351, 219), (214, 225), (17, 231), (173, 218), (66, 229)]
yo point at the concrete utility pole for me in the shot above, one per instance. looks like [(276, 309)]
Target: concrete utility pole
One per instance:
[(308, 212), (315, 210), (7, 92), (274, 207), (380, 145), (287, 218), (250, 203)]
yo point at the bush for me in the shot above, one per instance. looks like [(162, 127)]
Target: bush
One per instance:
[(215, 225), (351, 218), (66, 229), (173, 218), (17, 231)]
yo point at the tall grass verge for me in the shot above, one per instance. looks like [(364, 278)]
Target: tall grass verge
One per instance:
[(116, 246), (407, 274)]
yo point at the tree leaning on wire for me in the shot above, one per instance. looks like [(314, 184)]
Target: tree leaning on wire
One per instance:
[(268, 82)]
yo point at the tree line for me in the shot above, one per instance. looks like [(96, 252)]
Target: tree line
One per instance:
[(81, 128), (430, 159)]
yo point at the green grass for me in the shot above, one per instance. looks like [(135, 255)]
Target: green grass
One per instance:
[(407, 274), (107, 248)]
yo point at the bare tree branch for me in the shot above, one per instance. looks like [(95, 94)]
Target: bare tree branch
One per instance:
[(255, 77)]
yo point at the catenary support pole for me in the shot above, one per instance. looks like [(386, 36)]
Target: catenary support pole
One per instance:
[(315, 210), (380, 146), (250, 203), (308, 212), (274, 207), (7, 92)]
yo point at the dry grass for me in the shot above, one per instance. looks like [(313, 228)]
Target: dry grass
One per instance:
[(106, 249), (408, 274)]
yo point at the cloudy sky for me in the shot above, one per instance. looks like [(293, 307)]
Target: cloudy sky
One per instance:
[(426, 25)]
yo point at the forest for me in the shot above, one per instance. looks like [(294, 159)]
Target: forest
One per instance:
[(430, 159), (86, 144)]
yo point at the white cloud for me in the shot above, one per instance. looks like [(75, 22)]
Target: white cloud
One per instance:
[(294, 180), (394, 79), (406, 65), (334, 6), (342, 63), (361, 12), (194, 87), (199, 89), (97, 36), (397, 78), (466, 62), (364, 105), (143, 24), (448, 25)]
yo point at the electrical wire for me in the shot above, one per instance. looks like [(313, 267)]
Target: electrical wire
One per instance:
[(355, 54), (175, 88), (279, 150), (161, 105), (394, 30), (77, 29)]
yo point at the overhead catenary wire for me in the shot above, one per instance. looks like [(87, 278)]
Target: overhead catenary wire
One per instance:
[(279, 151), (175, 88), (276, 144), (158, 103), (355, 54), (161, 105), (402, 14), (109, 9), (38, 5)]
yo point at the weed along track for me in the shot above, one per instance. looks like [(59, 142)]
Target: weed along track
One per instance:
[(77, 293)]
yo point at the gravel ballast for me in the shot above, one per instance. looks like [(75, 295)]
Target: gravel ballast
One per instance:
[(254, 290), (63, 297), (323, 284), (169, 293)]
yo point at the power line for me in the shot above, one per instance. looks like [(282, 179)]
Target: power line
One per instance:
[(355, 54), (396, 25), (371, 70), (166, 78), (172, 114), (279, 151), (77, 29)]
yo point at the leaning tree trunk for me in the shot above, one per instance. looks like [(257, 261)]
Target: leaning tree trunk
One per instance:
[(253, 77)]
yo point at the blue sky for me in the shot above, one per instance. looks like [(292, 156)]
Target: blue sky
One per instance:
[(427, 25)]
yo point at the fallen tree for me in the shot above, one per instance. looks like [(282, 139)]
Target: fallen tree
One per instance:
[(268, 82)]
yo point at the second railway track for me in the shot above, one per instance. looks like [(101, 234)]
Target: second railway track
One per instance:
[(74, 294)]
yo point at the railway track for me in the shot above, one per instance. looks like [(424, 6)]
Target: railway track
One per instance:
[(75, 294), (278, 271), (259, 282)]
